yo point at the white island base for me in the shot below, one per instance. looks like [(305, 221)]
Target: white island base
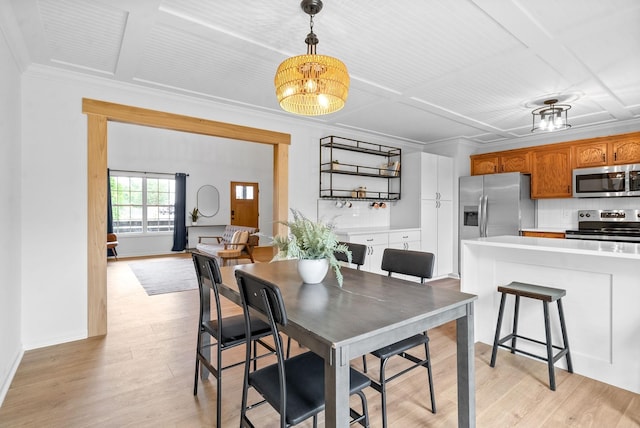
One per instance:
[(602, 305)]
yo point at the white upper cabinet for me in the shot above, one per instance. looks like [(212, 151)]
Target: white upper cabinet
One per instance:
[(436, 177)]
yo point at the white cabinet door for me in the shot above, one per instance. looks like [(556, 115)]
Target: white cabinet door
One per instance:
[(405, 240), (376, 243), (375, 259), (445, 178), (429, 226), (436, 175), (429, 176), (437, 233), (444, 260)]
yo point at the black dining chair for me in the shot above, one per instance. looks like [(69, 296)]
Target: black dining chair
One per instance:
[(414, 263), (226, 332), (358, 254), (294, 387)]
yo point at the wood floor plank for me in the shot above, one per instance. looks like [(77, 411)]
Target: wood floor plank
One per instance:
[(141, 375)]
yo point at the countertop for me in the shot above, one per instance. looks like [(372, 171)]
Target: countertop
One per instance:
[(574, 246), (368, 230)]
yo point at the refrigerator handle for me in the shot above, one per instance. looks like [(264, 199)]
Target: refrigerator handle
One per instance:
[(481, 216), (485, 215)]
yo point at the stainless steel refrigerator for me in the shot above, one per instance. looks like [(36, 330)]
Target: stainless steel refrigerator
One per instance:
[(495, 204)]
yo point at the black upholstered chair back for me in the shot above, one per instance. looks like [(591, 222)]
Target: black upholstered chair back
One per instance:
[(408, 262), (358, 253)]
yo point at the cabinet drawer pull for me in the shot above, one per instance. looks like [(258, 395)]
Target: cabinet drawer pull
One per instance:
[(405, 236)]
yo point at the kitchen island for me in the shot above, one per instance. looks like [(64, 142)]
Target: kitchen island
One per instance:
[(602, 305)]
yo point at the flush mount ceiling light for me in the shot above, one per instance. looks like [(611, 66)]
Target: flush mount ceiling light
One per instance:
[(551, 117), (312, 84)]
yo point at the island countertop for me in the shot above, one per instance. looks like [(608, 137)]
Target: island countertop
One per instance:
[(602, 282), (569, 246)]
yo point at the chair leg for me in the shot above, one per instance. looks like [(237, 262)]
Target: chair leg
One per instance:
[(218, 387), (564, 336), (255, 355), (364, 418), (516, 314), (430, 376), (496, 339), (547, 330), (195, 380)]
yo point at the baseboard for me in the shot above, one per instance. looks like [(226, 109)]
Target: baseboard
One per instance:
[(6, 384)]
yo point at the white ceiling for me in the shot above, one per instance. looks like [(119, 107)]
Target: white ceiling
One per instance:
[(421, 71)]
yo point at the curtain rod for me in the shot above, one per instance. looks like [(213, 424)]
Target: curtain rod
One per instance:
[(143, 172)]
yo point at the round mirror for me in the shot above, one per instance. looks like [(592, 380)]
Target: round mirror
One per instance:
[(208, 201)]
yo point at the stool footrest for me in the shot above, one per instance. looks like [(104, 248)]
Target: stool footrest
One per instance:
[(556, 357)]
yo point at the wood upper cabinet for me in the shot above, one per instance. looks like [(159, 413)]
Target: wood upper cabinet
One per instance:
[(626, 150), (591, 154), (484, 164), (515, 161), (551, 173), (509, 161), (606, 151)]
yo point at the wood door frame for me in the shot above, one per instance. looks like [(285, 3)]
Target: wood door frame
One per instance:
[(99, 113)]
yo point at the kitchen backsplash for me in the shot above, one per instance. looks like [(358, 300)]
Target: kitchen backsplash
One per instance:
[(356, 215), (563, 213), (552, 213)]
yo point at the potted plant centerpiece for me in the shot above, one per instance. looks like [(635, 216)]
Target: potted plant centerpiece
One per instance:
[(194, 216), (314, 245)]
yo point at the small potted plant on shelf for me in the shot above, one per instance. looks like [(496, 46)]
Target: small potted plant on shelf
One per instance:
[(194, 216), (314, 245)]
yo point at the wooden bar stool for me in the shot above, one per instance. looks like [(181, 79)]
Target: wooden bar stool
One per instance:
[(546, 295)]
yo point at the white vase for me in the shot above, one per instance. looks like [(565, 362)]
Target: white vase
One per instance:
[(313, 271)]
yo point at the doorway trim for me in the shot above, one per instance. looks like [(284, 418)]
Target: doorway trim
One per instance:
[(99, 113)]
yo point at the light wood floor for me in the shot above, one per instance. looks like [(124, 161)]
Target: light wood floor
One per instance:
[(141, 375)]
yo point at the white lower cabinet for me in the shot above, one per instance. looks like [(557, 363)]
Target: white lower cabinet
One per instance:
[(405, 240), (376, 242)]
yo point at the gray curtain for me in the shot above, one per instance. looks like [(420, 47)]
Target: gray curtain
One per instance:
[(180, 214)]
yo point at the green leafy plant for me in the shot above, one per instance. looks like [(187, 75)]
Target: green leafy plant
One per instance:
[(311, 240), (194, 214)]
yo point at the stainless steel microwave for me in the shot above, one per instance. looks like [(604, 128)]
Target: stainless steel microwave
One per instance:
[(607, 181)]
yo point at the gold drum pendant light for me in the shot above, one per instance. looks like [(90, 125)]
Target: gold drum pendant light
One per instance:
[(312, 84)]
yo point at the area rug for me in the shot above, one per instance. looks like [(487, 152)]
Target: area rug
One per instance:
[(165, 275)]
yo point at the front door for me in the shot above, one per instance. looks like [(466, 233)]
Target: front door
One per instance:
[(244, 204)]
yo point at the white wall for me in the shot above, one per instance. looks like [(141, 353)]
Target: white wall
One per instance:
[(10, 218), (55, 210), (207, 160)]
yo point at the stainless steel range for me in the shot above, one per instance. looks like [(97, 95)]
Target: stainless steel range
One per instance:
[(607, 225)]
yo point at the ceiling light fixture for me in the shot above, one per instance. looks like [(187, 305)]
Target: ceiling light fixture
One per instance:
[(551, 117), (312, 84)]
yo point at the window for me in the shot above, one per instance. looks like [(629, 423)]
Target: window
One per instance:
[(244, 192), (142, 204)]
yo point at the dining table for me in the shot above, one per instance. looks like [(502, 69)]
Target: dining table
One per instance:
[(367, 312)]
